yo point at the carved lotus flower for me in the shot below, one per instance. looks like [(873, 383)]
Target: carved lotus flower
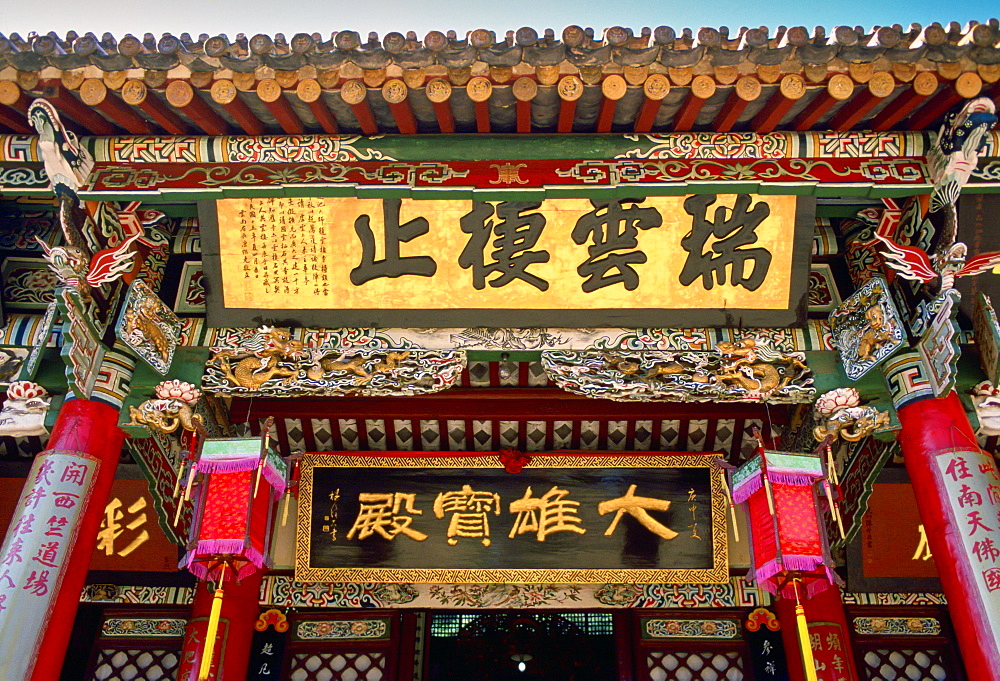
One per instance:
[(179, 390), (673, 627), (25, 390), (985, 388), (831, 401)]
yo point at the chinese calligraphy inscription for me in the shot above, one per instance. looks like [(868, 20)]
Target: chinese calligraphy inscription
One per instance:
[(466, 520), (453, 262)]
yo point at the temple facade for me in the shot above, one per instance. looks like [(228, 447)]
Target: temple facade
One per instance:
[(621, 355)]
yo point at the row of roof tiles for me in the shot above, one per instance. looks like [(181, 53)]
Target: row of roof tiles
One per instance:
[(979, 42)]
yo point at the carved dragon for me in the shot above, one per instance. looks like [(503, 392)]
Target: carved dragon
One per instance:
[(852, 423), (747, 367), (165, 415), (142, 321), (253, 369)]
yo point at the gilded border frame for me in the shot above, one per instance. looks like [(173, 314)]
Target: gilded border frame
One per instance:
[(717, 574)]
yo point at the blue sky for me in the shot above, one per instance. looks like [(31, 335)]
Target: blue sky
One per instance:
[(272, 16)]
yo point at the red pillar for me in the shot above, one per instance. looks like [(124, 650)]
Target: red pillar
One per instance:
[(829, 635), (45, 556), (958, 491), (240, 608)]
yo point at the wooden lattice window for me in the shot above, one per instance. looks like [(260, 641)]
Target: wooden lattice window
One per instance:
[(904, 644), (135, 664), (901, 664), (676, 665), (337, 666)]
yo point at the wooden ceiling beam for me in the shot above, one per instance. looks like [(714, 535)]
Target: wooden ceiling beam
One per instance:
[(480, 89), (310, 91), (181, 95), (790, 90), (438, 91), (702, 88), (533, 404), (12, 96), (396, 95), (272, 97), (613, 88), (15, 121), (966, 86), (225, 93), (838, 88), (94, 93), (72, 107), (525, 90), (655, 89), (879, 86), (746, 90), (570, 89), (355, 94), (136, 93), (923, 86)]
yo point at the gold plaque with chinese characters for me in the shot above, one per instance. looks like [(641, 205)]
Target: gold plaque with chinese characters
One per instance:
[(707, 259), (570, 519)]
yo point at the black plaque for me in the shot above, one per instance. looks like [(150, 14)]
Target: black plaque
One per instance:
[(464, 519)]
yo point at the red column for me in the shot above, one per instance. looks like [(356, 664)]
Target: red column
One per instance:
[(829, 635), (240, 608), (958, 491), (45, 556)]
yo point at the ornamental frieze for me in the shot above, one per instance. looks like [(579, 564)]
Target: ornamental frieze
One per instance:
[(274, 363), (748, 370)]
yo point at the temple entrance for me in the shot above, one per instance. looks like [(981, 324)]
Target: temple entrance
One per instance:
[(522, 646)]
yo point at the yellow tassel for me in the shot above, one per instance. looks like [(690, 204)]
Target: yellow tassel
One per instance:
[(808, 662), (213, 627)]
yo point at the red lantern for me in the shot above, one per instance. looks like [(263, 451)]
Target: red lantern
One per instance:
[(787, 539), (230, 537)]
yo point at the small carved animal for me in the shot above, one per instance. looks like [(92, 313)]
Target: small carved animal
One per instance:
[(852, 423), (165, 416)]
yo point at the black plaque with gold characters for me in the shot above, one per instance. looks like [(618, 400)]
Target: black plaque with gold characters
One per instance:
[(565, 519)]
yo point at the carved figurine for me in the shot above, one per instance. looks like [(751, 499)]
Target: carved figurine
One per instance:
[(172, 408), (24, 410), (877, 334), (142, 322), (253, 369), (844, 417)]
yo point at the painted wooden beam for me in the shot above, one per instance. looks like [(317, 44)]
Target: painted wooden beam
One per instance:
[(480, 89), (923, 86), (181, 95), (355, 94), (396, 95), (879, 86), (525, 90), (965, 86), (790, 90), (15, 121), (311, 92), (94, 93), (438, 91), (613, 88), (225, 93), (486, 404), (12, 96), (838, 88), (570, 89), (746, 90), (72, 107), (702, 87), (273, 98), (655, 89)]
